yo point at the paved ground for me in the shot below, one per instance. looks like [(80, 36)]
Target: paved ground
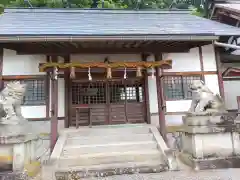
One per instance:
[(223, 174)]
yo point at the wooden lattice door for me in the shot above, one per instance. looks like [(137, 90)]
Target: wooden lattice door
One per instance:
[(107, 102), (126, 101)]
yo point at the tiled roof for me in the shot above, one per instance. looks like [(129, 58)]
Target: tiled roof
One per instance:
[(230, 7), (75, 22)]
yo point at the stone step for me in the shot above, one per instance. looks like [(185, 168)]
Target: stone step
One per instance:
[(107, 158), (107, 148), (107, 131), (109, 139), (101, 170)]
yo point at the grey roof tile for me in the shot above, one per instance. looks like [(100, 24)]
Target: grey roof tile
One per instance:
[(107, 22)]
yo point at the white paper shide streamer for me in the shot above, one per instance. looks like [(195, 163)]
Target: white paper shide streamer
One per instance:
[(89, 74)]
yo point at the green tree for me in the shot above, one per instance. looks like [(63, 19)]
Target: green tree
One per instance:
[(196, 8)]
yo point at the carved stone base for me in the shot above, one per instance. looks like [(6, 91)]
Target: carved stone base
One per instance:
[(202, 119), (222, 144), (16, 151), (210, 163), (208, 129)]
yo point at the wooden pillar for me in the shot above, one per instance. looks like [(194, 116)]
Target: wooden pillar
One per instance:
[(54, 108), (219, 72), (1, 69), (146, 91), (66, 101), (161, 100), (238, 104), (47, 90), (201, 63)]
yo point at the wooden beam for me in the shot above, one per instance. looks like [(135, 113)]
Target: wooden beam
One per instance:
[(22, 77), (193, 73), (161, 99), (66, 51), (45, 119)]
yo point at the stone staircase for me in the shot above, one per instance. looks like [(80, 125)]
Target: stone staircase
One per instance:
[(109, 150)]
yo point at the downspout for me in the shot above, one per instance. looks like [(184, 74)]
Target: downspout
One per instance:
[(232, 46)]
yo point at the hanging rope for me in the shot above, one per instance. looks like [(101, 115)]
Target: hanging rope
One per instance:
[(164, 63)]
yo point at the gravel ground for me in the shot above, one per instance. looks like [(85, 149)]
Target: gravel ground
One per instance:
[(222, 174)]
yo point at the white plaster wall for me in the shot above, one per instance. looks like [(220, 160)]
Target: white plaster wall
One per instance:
[(178, 106), (231, 91), (34, 111), (211, 81), (209, 62), (184, 62), (21, 64), (61, 98)]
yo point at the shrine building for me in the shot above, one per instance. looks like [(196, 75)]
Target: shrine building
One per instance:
[(103, 67)]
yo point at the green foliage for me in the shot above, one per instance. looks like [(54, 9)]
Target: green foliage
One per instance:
[(197, 11), (112, 4)]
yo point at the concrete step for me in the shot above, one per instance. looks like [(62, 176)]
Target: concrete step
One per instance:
[(106, 131), (109, 139), (108, 148), (107, 158), (154, 166)]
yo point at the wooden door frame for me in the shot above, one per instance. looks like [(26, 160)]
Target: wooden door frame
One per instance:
[(108, 104)]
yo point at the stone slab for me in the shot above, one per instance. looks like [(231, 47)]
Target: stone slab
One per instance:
[(106, 158), (111, 169), (108, 148), (211, 174), (106, 139), (210, 163)]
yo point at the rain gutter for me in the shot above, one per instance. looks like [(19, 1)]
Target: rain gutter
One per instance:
[(67, 38)]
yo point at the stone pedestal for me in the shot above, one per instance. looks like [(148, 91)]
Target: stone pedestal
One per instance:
[(209, 143), (17, 148)]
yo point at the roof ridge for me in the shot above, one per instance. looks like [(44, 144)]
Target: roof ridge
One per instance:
[(97, 11)]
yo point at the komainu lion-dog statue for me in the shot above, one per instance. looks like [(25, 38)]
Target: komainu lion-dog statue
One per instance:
[(204, 100), (11, 98)]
